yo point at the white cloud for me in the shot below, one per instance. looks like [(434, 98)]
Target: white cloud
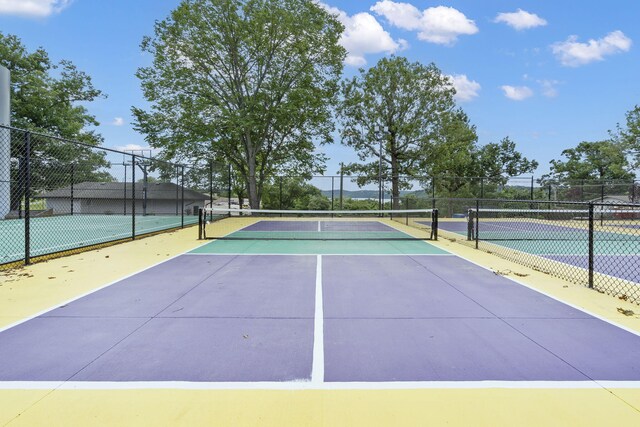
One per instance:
[(32, 8), (118, 121), (439, 25), (521, 20), (549, 88), (466, 89), (362, 35), (572, 53), (517, 93)]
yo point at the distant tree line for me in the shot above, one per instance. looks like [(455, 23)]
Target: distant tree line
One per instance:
[(258, 85)]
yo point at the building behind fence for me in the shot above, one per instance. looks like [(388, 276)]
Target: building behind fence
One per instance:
[(58, 195)]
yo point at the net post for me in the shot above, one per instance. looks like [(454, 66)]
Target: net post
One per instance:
[(200, 224), (406, 222), (27, 200), (591, 219), (434, 223), (477, 218), (470, 226)]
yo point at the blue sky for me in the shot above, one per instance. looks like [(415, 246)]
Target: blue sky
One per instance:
[(547, 74)]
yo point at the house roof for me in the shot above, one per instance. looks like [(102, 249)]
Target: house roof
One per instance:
[(116, 191), (622, 198)]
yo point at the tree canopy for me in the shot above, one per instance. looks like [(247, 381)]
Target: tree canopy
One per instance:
[(47, 96), (592, 160), (424, 134), (394, 107), (246, 82), (50, 98)]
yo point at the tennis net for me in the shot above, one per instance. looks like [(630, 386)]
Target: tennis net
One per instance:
[(260, 224)]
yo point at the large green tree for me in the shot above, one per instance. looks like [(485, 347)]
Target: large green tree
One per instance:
[(629, 136), (458, 165), (50, 98), (392, 113), (248, 82), (597, 160)]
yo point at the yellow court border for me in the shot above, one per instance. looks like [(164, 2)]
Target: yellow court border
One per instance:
[(28, 291)]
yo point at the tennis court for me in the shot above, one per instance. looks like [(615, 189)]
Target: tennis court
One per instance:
[(67, 232), (616, 248), (295, 312)]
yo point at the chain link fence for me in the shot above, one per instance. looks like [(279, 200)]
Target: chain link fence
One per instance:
[(60, 196), (592, 244)]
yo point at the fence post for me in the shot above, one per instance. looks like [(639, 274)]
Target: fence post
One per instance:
[(280, 193), (602, 201), (182, 197), (341, 184), (477, 218), (532, 187), (133, 197), (72, 181), (210, 190), (433, 192), (124, 203), (333, 186), (549, 192), (591, 219), (27, 200), (177, 191), (229, 185)]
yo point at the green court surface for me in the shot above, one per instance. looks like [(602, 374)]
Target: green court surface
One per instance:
[(62, 233), (320, 235), (320, 247)]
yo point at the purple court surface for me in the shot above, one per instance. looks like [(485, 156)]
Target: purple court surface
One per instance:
[(609, 264), (251, 318)]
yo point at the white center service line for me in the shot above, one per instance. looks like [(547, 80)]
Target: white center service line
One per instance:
[(319, 226), (317, 368)]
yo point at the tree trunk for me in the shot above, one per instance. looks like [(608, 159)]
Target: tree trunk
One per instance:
[(395, 183), (252, 188)]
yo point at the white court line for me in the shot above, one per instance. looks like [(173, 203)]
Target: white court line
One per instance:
[(305, 254), (584, 310), (317, 367), (310, 385)]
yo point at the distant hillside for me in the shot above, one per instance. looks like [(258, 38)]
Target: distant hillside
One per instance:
[(371, 194)]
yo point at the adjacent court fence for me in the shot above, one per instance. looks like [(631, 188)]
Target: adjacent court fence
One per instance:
[(342, 191), (58, 195), (592, 244)]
